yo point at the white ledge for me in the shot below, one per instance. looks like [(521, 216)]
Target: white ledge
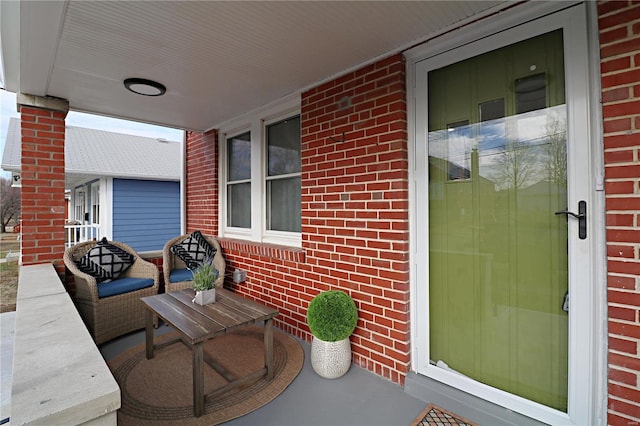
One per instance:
[(59, 376)]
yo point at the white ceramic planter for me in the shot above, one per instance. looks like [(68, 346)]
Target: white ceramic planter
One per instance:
[(330, 359), (205, 297)]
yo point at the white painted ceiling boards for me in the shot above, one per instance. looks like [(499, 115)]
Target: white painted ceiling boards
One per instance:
[(218, 59)]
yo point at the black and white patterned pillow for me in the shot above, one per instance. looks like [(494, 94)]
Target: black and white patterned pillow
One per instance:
[(105, 261), (193, 250)]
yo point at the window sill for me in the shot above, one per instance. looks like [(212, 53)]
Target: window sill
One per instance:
[(286, 253)]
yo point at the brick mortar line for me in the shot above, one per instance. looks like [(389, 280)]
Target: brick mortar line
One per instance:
[(629, 37), (621, 275), (622, 148), (634, 420), (621, 259), (621, 197), (623, 290), (622, 101), (618, 117), (623, 368), (629, 132)]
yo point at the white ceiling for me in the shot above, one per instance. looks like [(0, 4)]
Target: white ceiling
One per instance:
[(218, 59)]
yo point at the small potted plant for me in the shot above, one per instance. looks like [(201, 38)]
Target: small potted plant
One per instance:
[(332, 316), (204, 278)]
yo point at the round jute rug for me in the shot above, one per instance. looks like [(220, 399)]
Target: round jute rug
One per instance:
[(159, 390)]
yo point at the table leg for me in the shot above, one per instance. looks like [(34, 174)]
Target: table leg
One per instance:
[(149, 333), (198, 380), (268, 347)]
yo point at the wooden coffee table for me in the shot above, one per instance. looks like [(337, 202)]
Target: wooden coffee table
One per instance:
[(196, 324)]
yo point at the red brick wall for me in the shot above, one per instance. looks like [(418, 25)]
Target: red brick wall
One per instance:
[(355, 226), (43, 202), (201, 182), (277, 276), (619, 24)]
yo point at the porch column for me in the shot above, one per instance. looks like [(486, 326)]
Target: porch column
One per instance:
[(201, 182), (43, 184)]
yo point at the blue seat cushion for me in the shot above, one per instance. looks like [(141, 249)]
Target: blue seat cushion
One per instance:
[(123, 285), (177, 275)]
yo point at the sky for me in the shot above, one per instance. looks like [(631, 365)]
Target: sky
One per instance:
[(78, 119)]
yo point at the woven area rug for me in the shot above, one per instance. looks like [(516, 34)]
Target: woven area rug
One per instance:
[(436, 416), (159, 391)]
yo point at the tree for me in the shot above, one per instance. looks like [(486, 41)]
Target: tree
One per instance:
[(524, 163), (517, 166), (556, 150), (9, 203)]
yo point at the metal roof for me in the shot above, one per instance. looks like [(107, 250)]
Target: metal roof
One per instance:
[(91, 153)]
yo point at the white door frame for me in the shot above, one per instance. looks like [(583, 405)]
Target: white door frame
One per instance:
[(587, 340)]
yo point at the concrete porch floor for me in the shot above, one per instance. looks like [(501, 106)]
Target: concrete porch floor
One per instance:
[(7, 327), (358, 398)]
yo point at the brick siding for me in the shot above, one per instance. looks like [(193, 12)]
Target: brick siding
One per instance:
[(43, 183), (201, 182), (619, 26), (355, 228), (355, 221), (355, 208)]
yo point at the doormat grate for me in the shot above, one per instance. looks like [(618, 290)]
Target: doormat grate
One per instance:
[(436, 416)]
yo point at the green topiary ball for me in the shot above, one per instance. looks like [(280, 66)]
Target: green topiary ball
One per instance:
[(332, 316)]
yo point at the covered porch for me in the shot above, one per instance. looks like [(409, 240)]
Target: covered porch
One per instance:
[(336, 208), (357, 398)]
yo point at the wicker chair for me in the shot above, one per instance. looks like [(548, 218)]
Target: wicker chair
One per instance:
[(113, 316), (171, 262)]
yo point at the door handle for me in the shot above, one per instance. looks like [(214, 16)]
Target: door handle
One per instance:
[(581, 216), (565, 302)]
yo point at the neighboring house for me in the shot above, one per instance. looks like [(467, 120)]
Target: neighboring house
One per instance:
[(123, 187), (437, 177)]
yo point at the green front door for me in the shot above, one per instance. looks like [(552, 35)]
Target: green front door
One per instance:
[(497, 173)]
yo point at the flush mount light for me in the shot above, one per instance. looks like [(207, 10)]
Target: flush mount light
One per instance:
[(144, 87)]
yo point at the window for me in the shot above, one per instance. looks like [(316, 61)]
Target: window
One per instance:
[(283, 175), (492, 110), (261, 167), (239, 181), (531, 93)]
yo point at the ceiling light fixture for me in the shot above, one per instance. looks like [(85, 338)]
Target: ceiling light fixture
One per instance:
[(142, 86)]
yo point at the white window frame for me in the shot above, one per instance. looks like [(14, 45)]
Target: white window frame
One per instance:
[(255, 123)]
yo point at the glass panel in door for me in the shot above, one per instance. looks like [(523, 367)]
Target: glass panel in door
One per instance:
[(80, 205), (497, 252), (95, 202)]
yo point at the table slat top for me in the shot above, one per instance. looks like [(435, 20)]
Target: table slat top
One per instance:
[(198, 323)]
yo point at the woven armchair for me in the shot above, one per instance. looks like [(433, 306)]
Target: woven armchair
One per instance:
[(171, 262), (113, 316)]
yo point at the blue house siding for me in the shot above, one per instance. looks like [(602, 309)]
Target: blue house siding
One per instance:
[(146, 214)]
